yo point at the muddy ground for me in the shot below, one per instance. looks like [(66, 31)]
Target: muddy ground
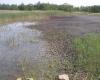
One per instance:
[(55, 30), (22, 41), (75, 25)]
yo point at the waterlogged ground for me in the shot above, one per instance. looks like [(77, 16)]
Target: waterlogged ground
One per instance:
[(62, 31), (74, 25), (19, 44), (23, 46)]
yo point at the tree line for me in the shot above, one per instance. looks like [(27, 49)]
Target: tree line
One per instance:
[(93, 9), (38, 6), (47, 6)]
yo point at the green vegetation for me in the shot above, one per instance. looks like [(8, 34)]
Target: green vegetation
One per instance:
[(64, 56), (78, 57), (38, 6), (47, 6), (30, 12), (80, 60), (7, 16), (92, 9), (15, 15), (88, 51), (55, 61)]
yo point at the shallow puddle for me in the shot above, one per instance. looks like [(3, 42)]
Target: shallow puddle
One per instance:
[(17, 44)]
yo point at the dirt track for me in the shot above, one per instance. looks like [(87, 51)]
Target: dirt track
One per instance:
[(75, 25)]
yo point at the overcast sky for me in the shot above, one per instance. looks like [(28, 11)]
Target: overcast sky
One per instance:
[(73, 2)]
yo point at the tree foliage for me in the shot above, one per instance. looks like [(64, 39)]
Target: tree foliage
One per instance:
[(47, 6), (38, 6), (93, 9)]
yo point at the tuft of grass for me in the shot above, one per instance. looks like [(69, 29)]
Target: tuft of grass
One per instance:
[(88, 60)]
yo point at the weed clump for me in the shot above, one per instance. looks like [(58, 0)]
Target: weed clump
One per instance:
[(88, 60)]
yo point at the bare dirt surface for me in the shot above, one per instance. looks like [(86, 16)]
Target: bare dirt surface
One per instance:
[(75, 25)]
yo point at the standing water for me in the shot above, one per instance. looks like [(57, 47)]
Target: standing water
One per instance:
[(19, 46)]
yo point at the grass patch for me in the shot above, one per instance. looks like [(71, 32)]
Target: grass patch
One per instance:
[(12, 16), (7, 16), (88, 60)]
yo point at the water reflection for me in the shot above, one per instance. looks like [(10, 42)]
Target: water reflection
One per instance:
[(17, 44)]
